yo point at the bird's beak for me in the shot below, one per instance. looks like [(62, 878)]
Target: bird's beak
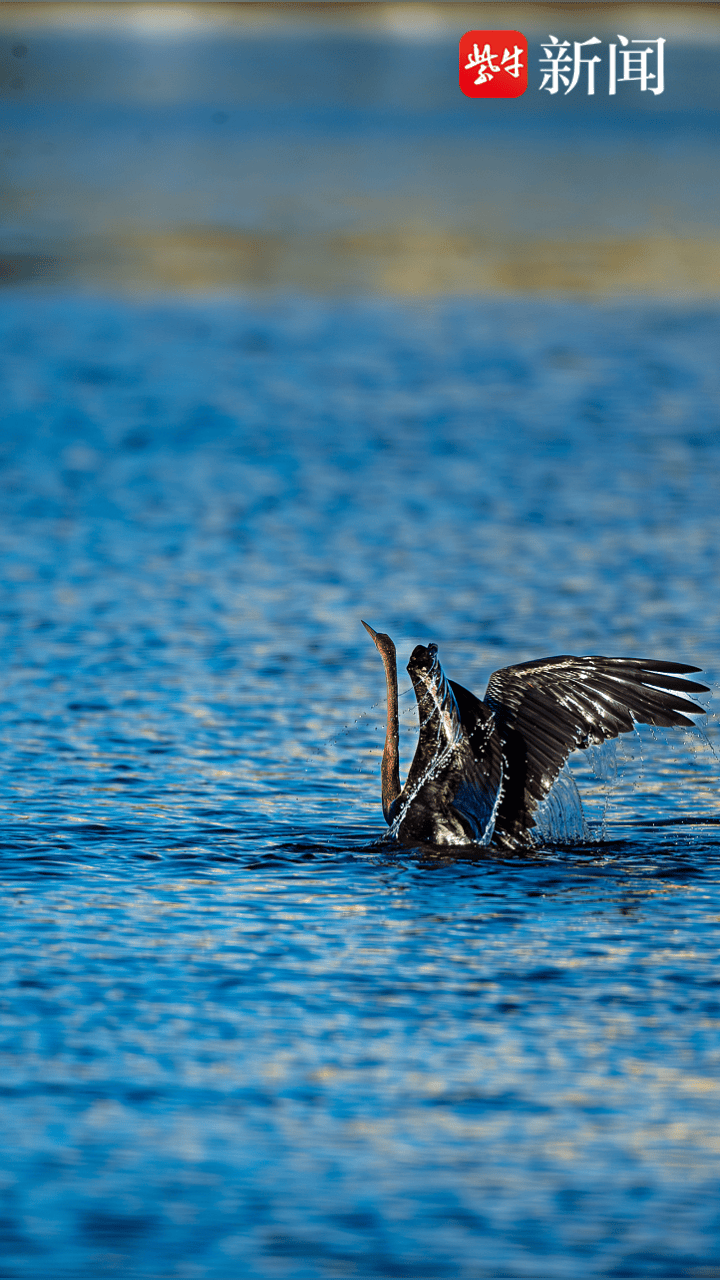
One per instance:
[(383, 643)]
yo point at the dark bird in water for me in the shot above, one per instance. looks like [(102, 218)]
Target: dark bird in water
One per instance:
[(481, 769)]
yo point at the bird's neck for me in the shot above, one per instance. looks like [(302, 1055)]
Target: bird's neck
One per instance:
[(390, 772)]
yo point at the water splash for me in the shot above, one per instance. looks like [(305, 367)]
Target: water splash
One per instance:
[(560, 817)]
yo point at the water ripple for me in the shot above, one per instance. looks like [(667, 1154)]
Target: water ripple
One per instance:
[(238, 1027)]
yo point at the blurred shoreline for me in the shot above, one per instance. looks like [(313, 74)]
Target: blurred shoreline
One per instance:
[(690, 21), (326, 148), (402, 262)]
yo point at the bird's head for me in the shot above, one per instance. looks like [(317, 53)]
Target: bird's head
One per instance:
[(383, 643)]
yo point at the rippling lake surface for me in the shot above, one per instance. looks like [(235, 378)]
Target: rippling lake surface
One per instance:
[(241, 1035)]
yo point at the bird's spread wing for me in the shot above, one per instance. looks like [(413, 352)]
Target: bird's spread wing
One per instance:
[(476, 800), (546, 709)]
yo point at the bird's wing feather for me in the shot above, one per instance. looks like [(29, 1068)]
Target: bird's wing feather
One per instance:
[(478, 800), (548, 708)]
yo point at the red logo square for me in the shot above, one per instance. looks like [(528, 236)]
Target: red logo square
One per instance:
[(493, 64)]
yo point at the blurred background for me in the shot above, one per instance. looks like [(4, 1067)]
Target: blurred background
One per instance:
[(327, 147)]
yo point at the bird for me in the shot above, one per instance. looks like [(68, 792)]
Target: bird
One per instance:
[(482, 769)]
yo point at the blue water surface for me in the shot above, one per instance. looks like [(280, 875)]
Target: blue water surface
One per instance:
[(240, 1035)]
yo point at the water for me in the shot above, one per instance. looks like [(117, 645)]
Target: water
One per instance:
[(240, 1034), (298, 157)]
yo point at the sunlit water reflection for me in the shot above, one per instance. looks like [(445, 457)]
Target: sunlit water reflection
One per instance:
[(239, 1035)]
